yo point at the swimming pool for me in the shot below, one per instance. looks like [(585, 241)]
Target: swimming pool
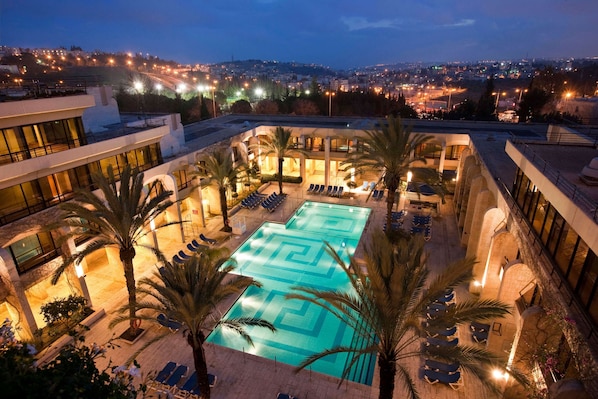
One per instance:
[(282, 256)]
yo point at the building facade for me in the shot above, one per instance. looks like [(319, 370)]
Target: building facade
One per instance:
[(521, 210)]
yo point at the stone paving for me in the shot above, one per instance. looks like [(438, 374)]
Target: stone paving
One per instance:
[(241, 374)]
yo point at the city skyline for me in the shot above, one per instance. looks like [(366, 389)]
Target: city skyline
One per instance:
[(353, 34)]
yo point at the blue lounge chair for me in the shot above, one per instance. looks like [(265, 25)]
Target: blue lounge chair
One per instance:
[(375, 194), (372, 185), (329, 191), (311, 188), (439, 342), (435, 365), (334, 191), (340, 191), (176, 259), (480, 327), (480, 336), (212, 380), (175, 377), (197, 245), (452, 380), (316, 189), (183, 255), (163, 374), (189, 387), (321, 190), (171, 324), (365, 185), (210, 241), (380, 195), (444, 332)]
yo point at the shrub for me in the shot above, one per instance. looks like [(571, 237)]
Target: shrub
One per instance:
[(64, 314), (285, 179)]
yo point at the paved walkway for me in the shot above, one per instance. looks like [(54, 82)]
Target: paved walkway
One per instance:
[(243, 375)]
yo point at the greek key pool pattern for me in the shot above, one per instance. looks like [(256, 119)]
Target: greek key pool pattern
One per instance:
[(283, 256)]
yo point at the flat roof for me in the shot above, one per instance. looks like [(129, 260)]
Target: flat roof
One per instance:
[(566, 161)]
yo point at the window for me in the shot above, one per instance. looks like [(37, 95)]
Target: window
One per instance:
[(33, 251)]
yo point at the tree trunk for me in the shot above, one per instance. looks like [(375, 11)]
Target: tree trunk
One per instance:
[(280, 161), (126, 257), (224, 209), (390, 200), (201, 366), (388, 371)]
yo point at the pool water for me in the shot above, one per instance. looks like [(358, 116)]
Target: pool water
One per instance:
[(283, 256)]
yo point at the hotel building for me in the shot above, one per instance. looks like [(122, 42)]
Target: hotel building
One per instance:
[(525, 202)]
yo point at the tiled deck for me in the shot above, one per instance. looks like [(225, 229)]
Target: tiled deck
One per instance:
[(243, 375)]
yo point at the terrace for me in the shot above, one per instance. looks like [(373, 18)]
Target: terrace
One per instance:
[(239, 373)]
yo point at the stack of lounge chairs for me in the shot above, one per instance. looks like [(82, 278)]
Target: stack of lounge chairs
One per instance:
[(422, 225), (273, 201), (440, 336), (169, 381), (252, 200)]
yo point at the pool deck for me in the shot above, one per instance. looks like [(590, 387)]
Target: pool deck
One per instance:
[(241, 375)]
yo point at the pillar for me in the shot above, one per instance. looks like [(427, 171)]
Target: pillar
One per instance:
[(18, 308)]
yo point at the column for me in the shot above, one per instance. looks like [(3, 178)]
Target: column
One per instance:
[(18, 305), (327, 160), (442, 157)]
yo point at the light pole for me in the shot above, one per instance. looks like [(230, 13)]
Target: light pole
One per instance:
[(449, 99), (139, 89), (330, 94), (214, 97), (520, 91), (497, 98)]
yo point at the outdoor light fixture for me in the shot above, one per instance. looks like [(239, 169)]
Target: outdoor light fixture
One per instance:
[(79, 270)]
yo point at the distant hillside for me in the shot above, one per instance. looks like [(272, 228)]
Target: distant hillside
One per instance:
[(275, 67)]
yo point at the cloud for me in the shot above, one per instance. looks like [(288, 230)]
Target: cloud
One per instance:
[(360, 23), (460, 24)]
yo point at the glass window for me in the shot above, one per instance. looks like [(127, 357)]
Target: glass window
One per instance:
[(182, 179), (110, 161), (565, 249), (555, 233), (579, 259), (587, 284), (453, 152), (33, 251)]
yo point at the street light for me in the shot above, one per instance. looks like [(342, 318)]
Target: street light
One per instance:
[(258, 92), (330, 94), (520, 91)]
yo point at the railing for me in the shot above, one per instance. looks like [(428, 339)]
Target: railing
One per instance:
[(584, 324), (585, 203)]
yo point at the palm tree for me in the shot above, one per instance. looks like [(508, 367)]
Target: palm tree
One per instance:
[(279, 144), (387, 304), (219, 169), (389, 151), (119, 218), (190, 294)]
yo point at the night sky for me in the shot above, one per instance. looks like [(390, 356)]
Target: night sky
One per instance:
[(339, 34)]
